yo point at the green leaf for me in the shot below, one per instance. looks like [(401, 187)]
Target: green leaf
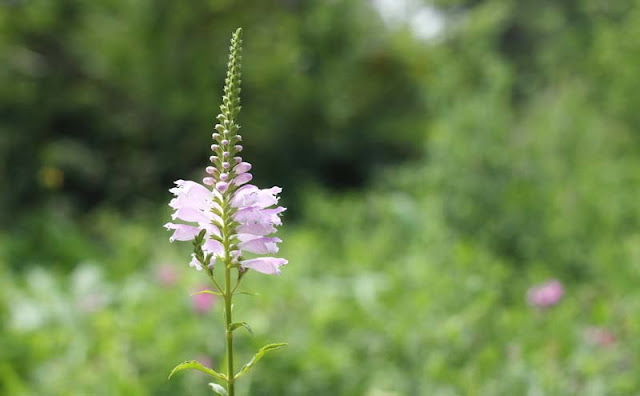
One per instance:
[(257, 357), (241, 324), (207, 292), (192, 364), (219, 389), (248, 293)]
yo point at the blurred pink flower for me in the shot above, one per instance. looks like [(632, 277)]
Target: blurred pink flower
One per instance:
[(205, 361), (166, 275), (600, 336), (203, 302), (546, 294)]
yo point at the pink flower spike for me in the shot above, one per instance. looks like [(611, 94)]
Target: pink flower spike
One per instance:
[(242, 168), (242, 179), (546, 294), (266, 265)]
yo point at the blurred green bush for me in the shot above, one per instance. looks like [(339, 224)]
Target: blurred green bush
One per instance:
[(105, 101)]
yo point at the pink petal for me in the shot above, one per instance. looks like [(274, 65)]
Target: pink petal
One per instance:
[(266, 265), (211, 229), (252, 196), (189, 214), (242, 168), (256, 229), (195, 263), (263, 245), (242, 179), (213, 246), (182, 232), (191, 189), (259, 216)]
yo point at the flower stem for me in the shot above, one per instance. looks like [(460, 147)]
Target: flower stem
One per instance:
[(227, 313)]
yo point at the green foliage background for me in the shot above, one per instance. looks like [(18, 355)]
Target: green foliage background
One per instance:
[(430, 183)]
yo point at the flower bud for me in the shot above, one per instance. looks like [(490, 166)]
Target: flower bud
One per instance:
[(215, 135), (213, 158), (238, 147), (224, 176), (209, 181), (222, 186), (214, 147), (226, 132), (225, 142), (225, 154), (239, 138), (237, 159), (225, 165), (211, 170)]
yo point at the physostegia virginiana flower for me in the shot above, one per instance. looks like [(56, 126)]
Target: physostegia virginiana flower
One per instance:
[(229, 221)]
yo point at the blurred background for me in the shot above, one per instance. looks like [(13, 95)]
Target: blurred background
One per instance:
[(462, 178)]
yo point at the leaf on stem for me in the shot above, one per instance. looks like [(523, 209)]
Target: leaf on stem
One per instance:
[(207, 292), (218, 389), (241, 324), (257, 357), (192, 364), (248, 293)]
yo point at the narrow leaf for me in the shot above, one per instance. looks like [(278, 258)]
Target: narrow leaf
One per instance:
[(248, 293), (241, 324), (192, 364), (257, 357), (207, 292), (219, 389)]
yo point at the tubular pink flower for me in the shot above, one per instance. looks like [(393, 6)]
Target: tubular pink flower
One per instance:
[(242, 179), (242, 168), (182, 232), (266, 265), (260, 245)]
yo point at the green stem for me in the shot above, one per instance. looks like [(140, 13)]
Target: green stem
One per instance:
[(227, 313)]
